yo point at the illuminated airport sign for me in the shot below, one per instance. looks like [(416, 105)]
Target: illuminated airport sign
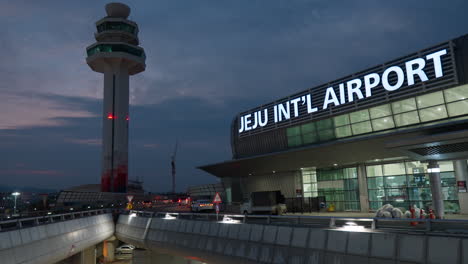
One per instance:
[(390, 79)]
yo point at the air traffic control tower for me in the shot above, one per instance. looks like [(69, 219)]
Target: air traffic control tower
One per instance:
[(117, 55)]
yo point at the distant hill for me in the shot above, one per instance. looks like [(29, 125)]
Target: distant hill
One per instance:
[(6, 188)]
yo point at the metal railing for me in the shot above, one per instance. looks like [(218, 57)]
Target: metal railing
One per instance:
[(334, 222), (17, 223)]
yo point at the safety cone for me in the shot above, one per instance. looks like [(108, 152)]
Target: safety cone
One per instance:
[(431, 214), (412, 223)]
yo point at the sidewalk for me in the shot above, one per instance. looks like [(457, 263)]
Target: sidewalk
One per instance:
[(359, 214)]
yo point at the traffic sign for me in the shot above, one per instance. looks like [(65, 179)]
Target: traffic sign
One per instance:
[(217, 199), (129, 198), (217, 208)]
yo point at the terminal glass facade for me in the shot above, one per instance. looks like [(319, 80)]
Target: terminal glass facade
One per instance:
[(401, 184), (426, 108), (339, 186), (407, 183)]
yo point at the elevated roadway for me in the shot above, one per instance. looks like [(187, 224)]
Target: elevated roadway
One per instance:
[(53, 238), (297, 239)]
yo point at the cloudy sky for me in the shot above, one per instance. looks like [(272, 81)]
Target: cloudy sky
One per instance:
[(207, 60)]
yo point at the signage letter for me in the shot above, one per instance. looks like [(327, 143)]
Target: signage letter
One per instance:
[(241, 129), (400, 77), (309, 105), (437, 63), (369, 85), (357, 83), (247, 122), (286, 113), (410, 71), (296, 107), (255, 120), (334, 100), (342, 93), (265, 120), (275, 113)]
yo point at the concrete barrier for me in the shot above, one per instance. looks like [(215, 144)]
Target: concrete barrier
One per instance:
[(217, 242), (54, 242)]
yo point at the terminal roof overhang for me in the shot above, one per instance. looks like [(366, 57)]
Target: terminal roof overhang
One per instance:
[(442, 141)]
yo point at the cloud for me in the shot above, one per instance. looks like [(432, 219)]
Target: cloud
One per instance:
[(86, 141), (22, 111), (206, 61), (32, 172), (151, 146)]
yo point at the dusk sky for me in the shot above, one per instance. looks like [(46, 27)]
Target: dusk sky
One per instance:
[(206, 61)]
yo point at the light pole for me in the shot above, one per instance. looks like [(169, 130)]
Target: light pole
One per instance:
[(15, 194)]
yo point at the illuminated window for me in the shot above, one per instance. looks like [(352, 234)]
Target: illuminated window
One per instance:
[(116, 48), (110, 25), (411, 111), (430, 99), (406, 118), (341, 120), (380, 111), (406, 183), (344, 131), (359, 116), (458, 108), (404, 106), (326, 134), (324, 124), (361, 128), (457, 93), (433, 113), (340, 187), (310, 138), (394, 169), (382, 123)]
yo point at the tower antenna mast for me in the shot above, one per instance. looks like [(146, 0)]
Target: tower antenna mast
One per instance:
[(173, 165)]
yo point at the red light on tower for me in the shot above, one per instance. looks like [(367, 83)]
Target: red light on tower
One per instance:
[(110, 116)]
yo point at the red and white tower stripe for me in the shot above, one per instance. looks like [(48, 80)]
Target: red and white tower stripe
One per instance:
[(117, 55)]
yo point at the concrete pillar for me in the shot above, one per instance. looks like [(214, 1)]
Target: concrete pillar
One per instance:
[(232, 184), (88, 256), (109, 249), (461, 174), (436, 189), (363, 193)]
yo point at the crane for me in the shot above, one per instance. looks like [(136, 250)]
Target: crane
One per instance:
[(173, 165)]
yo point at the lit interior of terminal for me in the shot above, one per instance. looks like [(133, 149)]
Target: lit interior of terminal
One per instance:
[(375, 137)]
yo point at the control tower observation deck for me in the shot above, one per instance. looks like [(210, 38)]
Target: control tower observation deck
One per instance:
[(117, 55)]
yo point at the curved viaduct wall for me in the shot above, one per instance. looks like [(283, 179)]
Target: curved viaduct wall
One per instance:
[(252, 243), (50, 243)]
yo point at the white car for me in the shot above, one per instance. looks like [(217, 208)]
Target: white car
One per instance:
[(202, 205), (125, 249)]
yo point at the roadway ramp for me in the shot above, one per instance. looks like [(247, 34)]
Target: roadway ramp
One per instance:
[(53, 242), (215, 242)]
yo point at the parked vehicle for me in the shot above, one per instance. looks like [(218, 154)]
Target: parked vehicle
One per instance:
[(202, 205), (125, 249), (270, 202)]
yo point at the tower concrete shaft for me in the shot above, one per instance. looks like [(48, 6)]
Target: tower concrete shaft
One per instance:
[(117, 55)]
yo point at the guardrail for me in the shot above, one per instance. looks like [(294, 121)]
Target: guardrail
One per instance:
[(17, 223), (334, 222)]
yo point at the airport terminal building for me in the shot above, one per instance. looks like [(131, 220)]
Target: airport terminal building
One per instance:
[(394, 133)]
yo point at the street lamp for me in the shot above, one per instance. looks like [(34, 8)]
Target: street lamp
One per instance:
[(15, 194)]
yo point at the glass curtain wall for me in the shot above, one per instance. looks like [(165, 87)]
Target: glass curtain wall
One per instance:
[(426, 108), (340, 187), (309, 182), (407, 183)]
